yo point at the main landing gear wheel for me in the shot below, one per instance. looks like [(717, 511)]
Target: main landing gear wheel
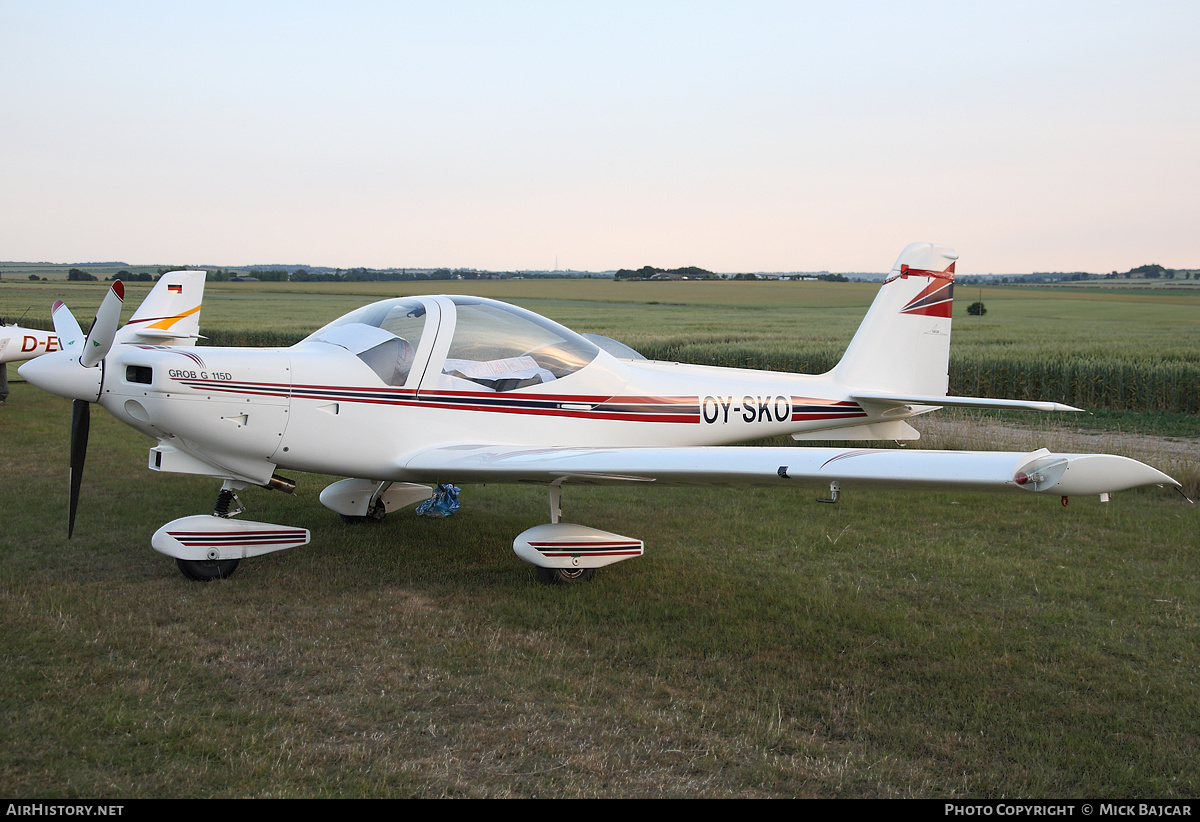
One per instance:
[(564, 576), (206, 570)]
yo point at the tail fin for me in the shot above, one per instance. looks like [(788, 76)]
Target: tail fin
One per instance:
[(900, 355), (903, 344), (170, 314)]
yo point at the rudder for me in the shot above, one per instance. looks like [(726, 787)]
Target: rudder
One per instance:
[(903, 344)]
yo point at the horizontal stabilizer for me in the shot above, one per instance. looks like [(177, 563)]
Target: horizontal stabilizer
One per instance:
[(897, 400)]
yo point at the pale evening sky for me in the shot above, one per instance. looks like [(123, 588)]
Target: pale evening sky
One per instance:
[(735, 136)]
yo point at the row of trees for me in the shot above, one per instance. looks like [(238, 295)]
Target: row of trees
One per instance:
[(649, 272), (282, 275), (1150, 272), (693, 273), (1154, 272)]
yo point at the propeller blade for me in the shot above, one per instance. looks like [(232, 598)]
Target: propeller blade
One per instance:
[(81, 423), (104, 327), (66, 327)]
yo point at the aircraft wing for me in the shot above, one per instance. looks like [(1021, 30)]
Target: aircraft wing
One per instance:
[(1043, 471)]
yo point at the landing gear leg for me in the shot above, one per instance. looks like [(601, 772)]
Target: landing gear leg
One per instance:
[(561, 576), (205, 570), (226, 500), (556, 500)]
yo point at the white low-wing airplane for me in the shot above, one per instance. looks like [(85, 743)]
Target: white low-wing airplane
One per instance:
[(455, 389)]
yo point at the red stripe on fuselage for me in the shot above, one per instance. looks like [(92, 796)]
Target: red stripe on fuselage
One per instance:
[(619, 408)]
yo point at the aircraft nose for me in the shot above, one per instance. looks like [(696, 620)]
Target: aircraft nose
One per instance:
[(61, 373)]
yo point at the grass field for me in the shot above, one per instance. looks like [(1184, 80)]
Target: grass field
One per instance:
[(893, 645)]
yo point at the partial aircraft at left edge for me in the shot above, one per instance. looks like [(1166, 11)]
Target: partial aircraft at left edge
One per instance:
[(170, 315), (17, 343)]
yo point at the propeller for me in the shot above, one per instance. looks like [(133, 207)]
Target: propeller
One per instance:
[(81, 424), (73, 373), (104, 327), (65, 327)]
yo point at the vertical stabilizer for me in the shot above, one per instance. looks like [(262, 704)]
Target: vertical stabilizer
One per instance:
[(903, 344), (170, 314)]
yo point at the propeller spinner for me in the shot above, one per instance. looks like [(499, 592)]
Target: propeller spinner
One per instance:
[(77, 372)]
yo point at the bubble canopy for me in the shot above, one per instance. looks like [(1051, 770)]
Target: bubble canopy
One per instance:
[(494, 345)]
